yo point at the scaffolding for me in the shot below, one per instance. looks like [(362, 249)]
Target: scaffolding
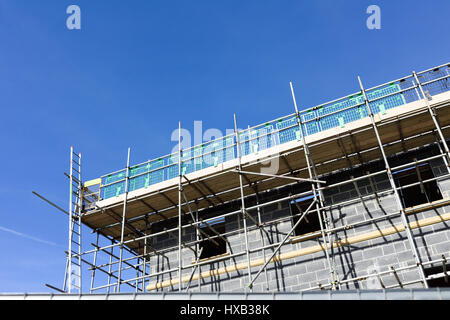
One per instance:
[(121, 208)]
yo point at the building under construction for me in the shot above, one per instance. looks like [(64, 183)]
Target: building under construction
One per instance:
[(350, 194)]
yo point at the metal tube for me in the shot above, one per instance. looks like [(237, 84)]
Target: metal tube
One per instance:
[(244, 213), (198, 249), (393, 186), (137, 269), (144, 271), (261, 235), (444, 268), (65, 274), (179, 208), (49, 202), (280, 176), (193, 269), (94, 264), (110, 266), (396, 277), (123, 220), (313, 187)]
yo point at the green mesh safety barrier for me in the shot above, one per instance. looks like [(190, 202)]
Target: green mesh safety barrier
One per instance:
[(269, 134)]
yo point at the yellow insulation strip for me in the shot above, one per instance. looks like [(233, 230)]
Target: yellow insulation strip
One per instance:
[(92, 182)]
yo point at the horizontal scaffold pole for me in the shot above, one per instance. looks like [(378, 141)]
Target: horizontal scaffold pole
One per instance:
[(49, 202), (278, 176)]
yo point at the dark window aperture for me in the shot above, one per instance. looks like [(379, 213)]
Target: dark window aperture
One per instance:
[(441, 281), (420, 193), (310, 222), (212, 246)]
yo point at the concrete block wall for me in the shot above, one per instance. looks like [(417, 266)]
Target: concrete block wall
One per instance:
[(344, 207)]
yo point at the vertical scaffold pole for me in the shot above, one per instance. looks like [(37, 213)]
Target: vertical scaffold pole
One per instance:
[(65, 274), (441, 151), (261, 234), (243, 211), (179, 208), (127, 174), (394, 188), (144, 261), (198, 250), (138, 260), (319, 202), (261, 230), (94, 263), (433, 116), (110, 266)]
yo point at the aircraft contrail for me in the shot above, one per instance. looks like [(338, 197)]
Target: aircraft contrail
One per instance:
[(23, 235)]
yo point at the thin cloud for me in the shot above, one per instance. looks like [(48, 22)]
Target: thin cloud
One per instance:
[(23, 235)]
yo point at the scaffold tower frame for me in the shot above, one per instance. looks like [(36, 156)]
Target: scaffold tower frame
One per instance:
[(122, 208)]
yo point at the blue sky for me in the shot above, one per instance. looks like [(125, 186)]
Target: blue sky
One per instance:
[(138, 67)]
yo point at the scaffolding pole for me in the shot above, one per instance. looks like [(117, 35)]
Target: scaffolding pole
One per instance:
[(180, 264), (198, 249), (127, 174), (144, 261), (393, 186), (138, 264), (261, 235), (318, 202), (254, 186), (243, 210), (94, 264), (279, 176), (110, 267)]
